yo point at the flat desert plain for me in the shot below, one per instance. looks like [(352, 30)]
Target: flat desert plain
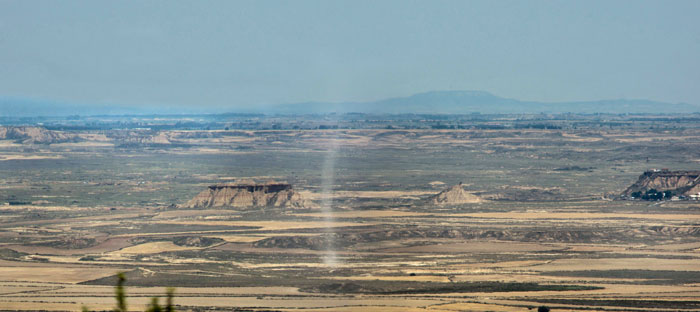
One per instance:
[(370, 235)]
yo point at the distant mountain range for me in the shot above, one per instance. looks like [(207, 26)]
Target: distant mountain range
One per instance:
[(435, 102), (465, 102)]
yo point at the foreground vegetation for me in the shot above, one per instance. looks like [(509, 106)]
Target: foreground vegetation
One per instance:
[(154, 306)]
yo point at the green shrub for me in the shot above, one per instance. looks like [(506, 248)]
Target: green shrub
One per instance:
[(154, 306)]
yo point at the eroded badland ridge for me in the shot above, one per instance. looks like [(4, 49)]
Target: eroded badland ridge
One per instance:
[(678, 183), (36, 135)]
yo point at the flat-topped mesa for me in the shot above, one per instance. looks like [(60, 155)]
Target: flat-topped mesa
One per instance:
[(247, 195), (266, 188), (455, 195), (682, 182)]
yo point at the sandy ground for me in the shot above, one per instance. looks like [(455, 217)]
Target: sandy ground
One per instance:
[(27, 157), (577, 216), (47, 278)]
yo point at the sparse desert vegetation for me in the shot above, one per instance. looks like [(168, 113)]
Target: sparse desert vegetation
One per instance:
[(536, 220)]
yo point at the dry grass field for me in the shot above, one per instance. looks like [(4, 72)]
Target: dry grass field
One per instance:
[(76, 214)]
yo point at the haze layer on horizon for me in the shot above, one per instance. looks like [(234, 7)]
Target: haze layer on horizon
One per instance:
[(226, 55)]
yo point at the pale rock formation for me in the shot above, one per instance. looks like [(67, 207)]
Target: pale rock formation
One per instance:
[(679, 182), (36, 135), (247, 195), (455, 195)]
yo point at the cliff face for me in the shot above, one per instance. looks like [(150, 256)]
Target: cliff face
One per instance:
[(247, 195), (679, 182), (455, 195)]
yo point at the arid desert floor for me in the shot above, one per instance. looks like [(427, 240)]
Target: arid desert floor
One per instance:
[(547, 229)]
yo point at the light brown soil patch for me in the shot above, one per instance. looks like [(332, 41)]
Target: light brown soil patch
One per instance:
[(473, 247)]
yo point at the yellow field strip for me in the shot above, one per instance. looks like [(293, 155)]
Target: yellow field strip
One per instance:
[(574, 215)]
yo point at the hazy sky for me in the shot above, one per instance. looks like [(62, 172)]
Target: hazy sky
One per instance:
[(228, 54)]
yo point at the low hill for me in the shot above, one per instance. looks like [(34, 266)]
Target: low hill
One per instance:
[(455, 195)]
